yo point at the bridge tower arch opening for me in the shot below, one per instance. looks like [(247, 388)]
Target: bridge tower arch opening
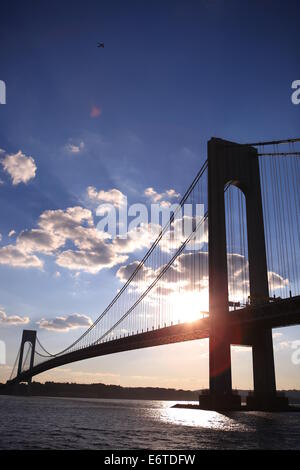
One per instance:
[(238, 280), (236, 245), (236, 164)]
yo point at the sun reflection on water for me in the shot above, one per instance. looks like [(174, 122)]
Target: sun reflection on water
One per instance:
[(201, 418)]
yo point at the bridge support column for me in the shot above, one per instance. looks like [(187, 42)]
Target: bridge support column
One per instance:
[(265, 396), (235, 164), (28, 336)]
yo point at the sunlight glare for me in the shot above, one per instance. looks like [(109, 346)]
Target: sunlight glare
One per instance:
[(203, 419), (189, 306)]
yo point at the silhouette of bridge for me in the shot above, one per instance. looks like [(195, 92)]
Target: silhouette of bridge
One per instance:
[(232, 278)]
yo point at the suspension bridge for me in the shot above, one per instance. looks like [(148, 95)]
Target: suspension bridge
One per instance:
[(232, 278)]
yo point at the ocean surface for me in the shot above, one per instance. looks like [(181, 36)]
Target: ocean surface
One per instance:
[(80, 423)]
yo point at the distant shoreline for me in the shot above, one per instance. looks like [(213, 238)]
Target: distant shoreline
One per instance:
[(97, 398), (103, 391)]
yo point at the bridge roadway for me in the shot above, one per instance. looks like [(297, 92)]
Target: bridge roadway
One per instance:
[(242, 324)]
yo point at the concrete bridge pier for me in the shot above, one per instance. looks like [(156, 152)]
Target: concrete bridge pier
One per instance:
[(265, 396)]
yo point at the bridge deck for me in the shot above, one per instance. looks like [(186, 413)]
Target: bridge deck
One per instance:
[(275, 314)]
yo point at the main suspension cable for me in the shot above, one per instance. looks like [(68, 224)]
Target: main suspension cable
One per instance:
[(141, 263)]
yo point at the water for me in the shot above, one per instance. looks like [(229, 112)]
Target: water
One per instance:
[(74, 423)]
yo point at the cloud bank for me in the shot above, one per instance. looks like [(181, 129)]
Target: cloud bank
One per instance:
[(12, 320), (66, 322)]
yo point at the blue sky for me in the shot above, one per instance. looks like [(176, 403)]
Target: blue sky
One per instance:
[(171, 75)]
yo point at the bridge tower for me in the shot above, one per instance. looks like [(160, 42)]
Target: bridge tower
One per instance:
[(236, 164), (28, 336)]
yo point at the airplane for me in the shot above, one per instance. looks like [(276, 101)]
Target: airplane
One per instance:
[(100, 44)]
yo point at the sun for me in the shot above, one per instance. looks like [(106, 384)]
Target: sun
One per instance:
[(189, 306)]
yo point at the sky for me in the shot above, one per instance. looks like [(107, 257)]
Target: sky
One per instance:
[(83, 125)]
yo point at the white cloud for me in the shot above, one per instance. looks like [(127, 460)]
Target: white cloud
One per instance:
[(11, 233), (124, 272), (38, 240), (90, 261), (90, 251), (64, 221), (12, 320), (277, 281), (177, 275), (137, 238), (178, 278), (72, 148), (70, 236), (162, 198), (55, 227), (11, 255), (20, 167), (95, 250), (276, 335), (65, 323), (112, 196)]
